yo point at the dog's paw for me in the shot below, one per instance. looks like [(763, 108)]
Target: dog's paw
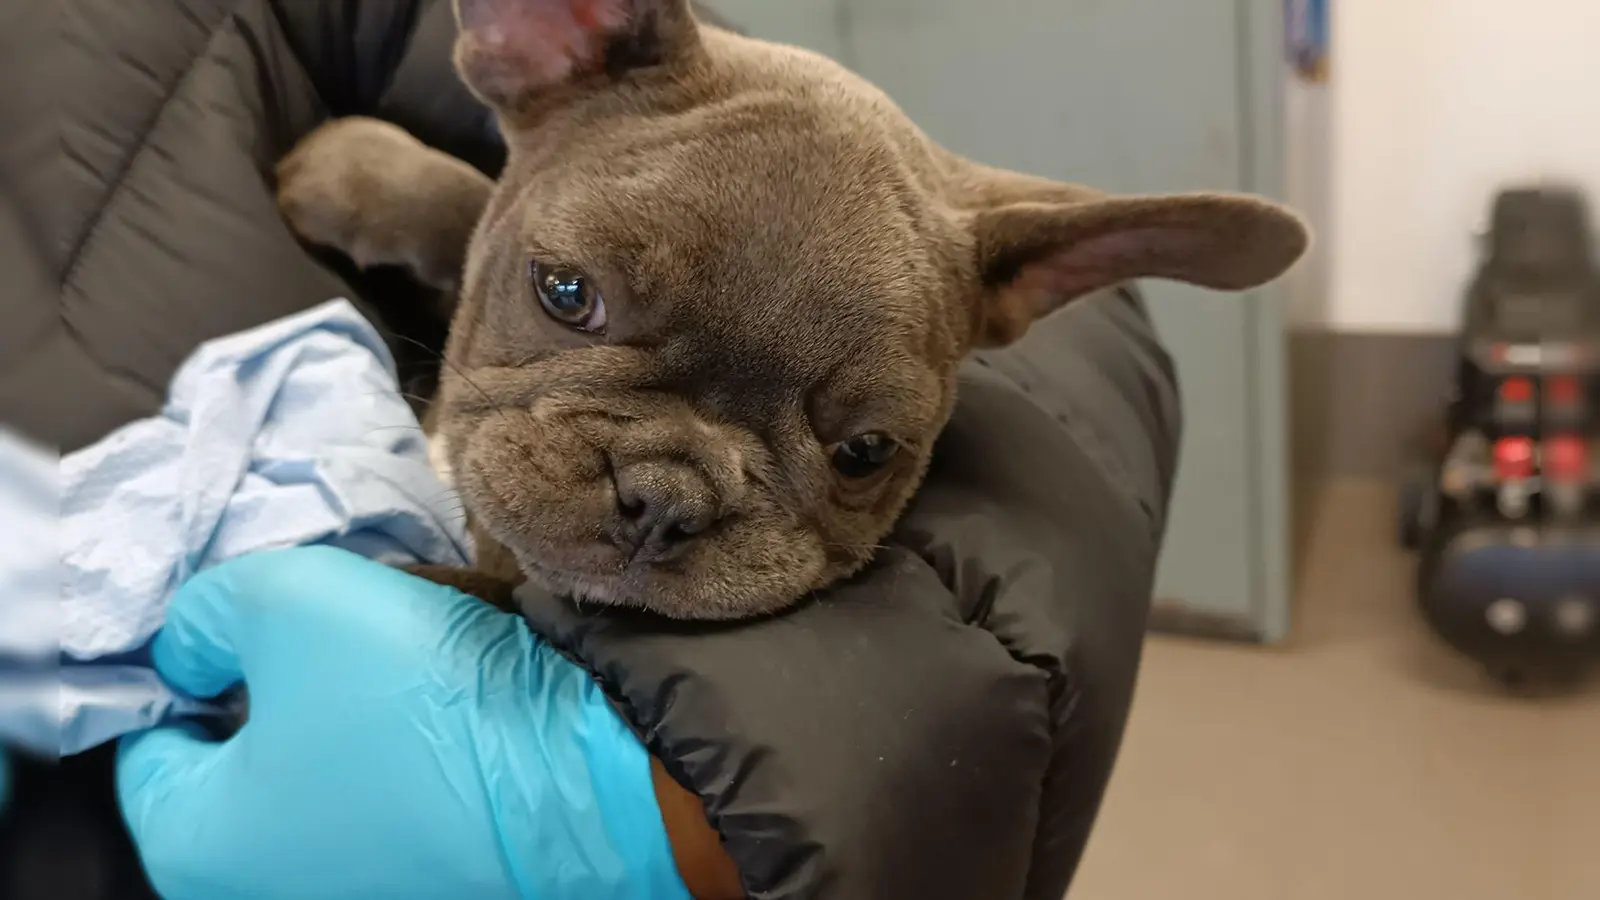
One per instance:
[(340, 185), (371, 191)]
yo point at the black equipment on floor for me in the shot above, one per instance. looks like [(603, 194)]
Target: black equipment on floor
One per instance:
[(1506, 518)]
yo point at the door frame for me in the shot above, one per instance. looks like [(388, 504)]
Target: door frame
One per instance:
[(1262, 76)]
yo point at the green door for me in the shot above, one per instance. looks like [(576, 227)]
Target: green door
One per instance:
[(1137, 96)]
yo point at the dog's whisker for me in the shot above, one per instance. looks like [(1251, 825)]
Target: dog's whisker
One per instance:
[(397, 393), (844, 546), (454, 367), (413, 342)]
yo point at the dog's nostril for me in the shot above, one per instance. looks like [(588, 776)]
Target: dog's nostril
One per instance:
[(661, 508), (629, 506)]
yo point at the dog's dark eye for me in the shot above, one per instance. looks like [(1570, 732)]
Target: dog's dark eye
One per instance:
[(864, 454), (568, 297)]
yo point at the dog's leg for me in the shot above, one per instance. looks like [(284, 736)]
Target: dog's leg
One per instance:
[(492, 578), (370, 190), (375, 193), (493, 590)]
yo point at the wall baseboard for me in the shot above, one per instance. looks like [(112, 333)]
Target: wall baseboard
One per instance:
[(1364, 404)]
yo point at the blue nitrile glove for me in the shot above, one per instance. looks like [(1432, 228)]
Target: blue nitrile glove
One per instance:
[(404, 740)]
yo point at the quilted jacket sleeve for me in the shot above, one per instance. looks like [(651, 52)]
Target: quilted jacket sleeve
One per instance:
[(943, 726), (393, 60)]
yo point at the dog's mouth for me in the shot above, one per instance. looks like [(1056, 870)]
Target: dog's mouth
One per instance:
[(581, 586), (672, 594), (705, 586)]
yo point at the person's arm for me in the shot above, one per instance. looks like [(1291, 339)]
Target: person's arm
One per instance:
[(707, 870), (944, 725)]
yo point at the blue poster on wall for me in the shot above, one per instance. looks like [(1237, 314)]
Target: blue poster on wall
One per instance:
[(1306, 26)]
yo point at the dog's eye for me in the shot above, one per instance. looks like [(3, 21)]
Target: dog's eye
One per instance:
[(864, 454), (568, 297)]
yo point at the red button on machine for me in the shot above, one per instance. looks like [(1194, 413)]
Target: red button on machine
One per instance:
[(1513, 459), (1566, 459), (1516, 390), (1563, 391)]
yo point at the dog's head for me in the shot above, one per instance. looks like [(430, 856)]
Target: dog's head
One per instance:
[(712, 317)]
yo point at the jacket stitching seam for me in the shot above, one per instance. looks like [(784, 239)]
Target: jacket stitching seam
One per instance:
[(1088, 437), (92, 226), (1067, 685)]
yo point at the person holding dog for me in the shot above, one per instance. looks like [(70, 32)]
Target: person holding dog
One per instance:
[(940, 725)]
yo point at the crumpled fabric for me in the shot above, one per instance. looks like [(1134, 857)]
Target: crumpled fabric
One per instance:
[(291, 434), (30, 502)]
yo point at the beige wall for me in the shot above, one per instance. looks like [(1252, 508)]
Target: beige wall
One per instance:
[(1432, 105)]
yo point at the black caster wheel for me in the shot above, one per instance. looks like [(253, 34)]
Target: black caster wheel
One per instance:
[(1512, 677), (1418, 508)]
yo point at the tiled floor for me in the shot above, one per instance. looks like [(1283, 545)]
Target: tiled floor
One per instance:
[(1360, 760)]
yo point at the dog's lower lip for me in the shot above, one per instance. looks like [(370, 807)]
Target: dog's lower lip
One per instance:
[(542, 569), (537, 567)]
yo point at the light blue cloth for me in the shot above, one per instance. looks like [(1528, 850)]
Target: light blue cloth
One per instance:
[(291, 434), (30, 510), (30, 611)]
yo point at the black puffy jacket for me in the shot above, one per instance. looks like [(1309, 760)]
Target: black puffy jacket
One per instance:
[(941, 727)]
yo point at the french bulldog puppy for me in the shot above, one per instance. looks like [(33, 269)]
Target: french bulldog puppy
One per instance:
[(711, 315)]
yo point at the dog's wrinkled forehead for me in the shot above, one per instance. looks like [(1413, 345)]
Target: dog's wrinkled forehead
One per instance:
[(757, 194), (751, 232)]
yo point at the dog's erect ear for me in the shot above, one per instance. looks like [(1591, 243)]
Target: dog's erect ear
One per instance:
[(509, 50), (1035, 256)]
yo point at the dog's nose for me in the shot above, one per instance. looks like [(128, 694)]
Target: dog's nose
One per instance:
[(661, 508)]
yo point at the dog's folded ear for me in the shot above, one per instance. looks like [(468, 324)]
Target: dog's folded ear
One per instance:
[(511, 50), (1035, 256)]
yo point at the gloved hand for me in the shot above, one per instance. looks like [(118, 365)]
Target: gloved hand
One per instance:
[(404, 740)]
